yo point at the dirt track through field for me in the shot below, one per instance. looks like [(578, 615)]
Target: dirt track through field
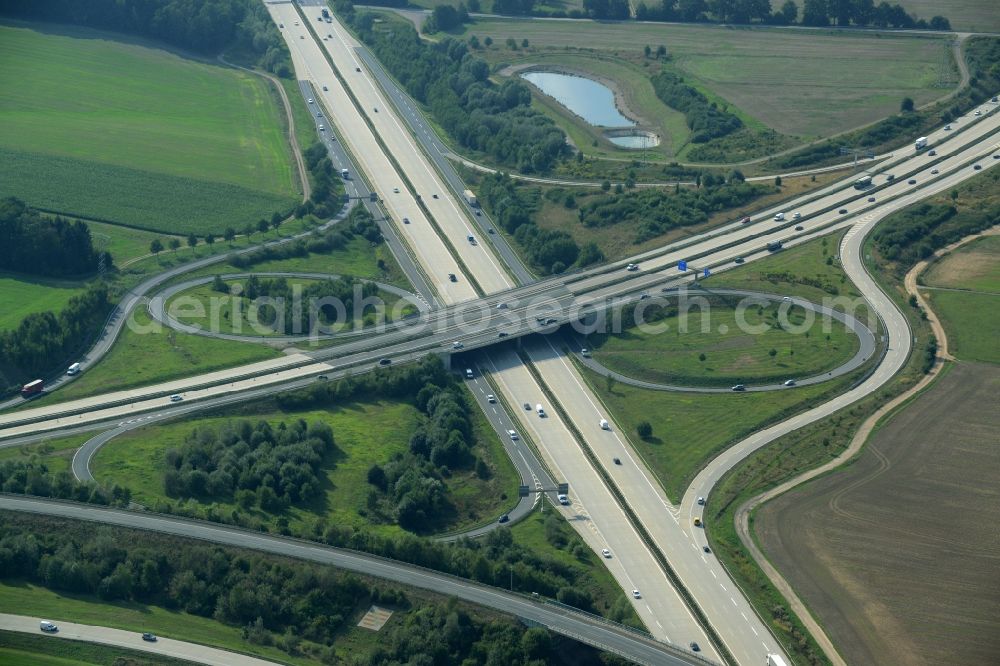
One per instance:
[(899, 556)]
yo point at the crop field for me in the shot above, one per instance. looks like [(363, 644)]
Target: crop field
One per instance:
[(121, 132), (964, 15), (974, 267), (365, 433), (23, 295), (896, 555), (732, 353), (792, 81)]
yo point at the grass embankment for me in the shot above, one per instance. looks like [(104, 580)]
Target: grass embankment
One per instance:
[(17, 649), (22, 295), (151, 139), (365, 433), (733, 346), (56, 454), (138, 359), (789, 80)]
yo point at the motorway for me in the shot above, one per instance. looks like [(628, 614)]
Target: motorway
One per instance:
[(716, 249), (585, 628), (167, 647)]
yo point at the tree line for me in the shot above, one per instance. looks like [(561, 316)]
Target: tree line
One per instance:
[(302, 608), (33, 477), (454, 85), (250, 463), (43, 341), (38, 245), (705, 119), (205, 26)]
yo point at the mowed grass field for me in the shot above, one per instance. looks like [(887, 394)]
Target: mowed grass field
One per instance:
[(963, 289), (127, 133), (23, 295), (964, 15), (801, 83), (736, 350), (897, 554)]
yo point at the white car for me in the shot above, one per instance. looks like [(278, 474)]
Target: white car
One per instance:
[(778, 217), (457, 345), (48, 627), (175, 398), (701, 501), (513, 435), (796, 216), (310, 100), (491, 398), (632, 267), (606, 553), (395, 190), (563, 500), (934, 172), (789, 382), (635, 593)]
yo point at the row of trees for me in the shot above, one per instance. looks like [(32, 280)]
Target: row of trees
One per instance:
[(44, 340), (657, 211), (704, 118), (915, 233), (204, 26), (272, 467), (32, 477), (454, 84), (38, 245)]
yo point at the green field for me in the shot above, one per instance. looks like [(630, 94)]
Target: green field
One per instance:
[(790, 80), (23, 295), (965, 15), (365, 433), (56, 453), (974, 266), (138, 359), (734, 353), (149, 139), (17, 649)]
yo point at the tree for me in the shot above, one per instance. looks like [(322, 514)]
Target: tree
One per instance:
[(276, 222), (219, 285), (906, 106), (473, 5), (524, 43), (175, 244), (606, 185), (648, 51), (644, 429), (511, 44), (777, 181), (262, 226), (474, 42), (772, 353), (789, 12), (661, 51), (156, 246), (229, 234), (192, 240), (702, 357), (210, 239), (488, 41), (814, 13), (940, 23)]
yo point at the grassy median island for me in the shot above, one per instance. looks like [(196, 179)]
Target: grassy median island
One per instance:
[(721, 346), (95, 124)]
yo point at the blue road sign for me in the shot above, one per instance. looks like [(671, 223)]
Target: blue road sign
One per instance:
[(707, 273), (682, 265)]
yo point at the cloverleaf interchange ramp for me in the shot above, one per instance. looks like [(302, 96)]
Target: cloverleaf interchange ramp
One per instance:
[(594, 287)]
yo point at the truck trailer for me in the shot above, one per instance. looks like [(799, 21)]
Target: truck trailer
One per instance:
[(776, 660), (32, 388), (921, 143), (470, 198)]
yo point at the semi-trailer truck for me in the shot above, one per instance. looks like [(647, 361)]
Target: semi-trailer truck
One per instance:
[(921, 143), (32, 388), (470, 198), (776, 660)]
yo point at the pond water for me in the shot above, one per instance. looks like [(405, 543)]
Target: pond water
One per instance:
[(588, 99), (634, 141)]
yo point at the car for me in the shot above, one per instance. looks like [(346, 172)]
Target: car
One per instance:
[(871, 199), (778, 217), (376, 109), (912, 181), (491, 230), (643, 296), (799, 228), (697, 522), (738, 260), (789, 382), (694, 646), (452, 278), (175, 398), (585, 352), (701, 501), (618, 461), (890, 176), (406, 220), (322, 378), (457, 345), (563, 499), (296, 23), (842, 211), (501, 306), (996, 156), (934, 172), (632, 268), (745, 220), (149, 637), (502, 334), (503, 519), (786, 298), (739, 387), (932, 153), (48, 627), (513, 435), (357, 69), (635, 594), (527, 406), (479, 213), (434, 196), (319, 114), (796, 216), (310, 100), (325, 88), (978, 112), (302, 36), (994, 99), (385, 361), (947, 128), (491, 398), (322, 128), (606, 553), (977, 167), (395, 190), (281, 25), (706, 549)]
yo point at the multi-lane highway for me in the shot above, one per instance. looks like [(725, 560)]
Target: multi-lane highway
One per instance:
[(436, 230)]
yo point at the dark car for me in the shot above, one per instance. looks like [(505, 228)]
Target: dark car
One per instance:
[(706, 549), (978, 167), (842, 211), (451, 276), (694, 647), (618, 461), (739, 387), (491, 230), (357, 69), (151, 638), (799, 228), (385, 361), (912, 181), (504, 519), (871, 199), (738, 260), (323, 378), (435, 196), (932, 153), (527, 406), (502, 334)]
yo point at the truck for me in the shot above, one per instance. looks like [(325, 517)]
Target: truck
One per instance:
[(73, 369), (776, 660), (470, 198), (326, 14), (345, 174), (921, 143), (863, 182), (32, 388)]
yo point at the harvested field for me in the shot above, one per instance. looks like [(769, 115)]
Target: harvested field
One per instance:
[(975, 266), (899, 556)]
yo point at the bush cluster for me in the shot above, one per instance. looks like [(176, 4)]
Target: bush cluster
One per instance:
[(705, 120), (271, 467), (916, 232), (34, 244), (31, 477)]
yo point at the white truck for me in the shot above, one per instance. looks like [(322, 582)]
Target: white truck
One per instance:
[(921, 143), (776, 660), (470, 198)]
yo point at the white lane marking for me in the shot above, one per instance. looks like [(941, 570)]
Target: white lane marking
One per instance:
[(744, 616), (723, 587), (754, 630), (713, 574), (734, 601)]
